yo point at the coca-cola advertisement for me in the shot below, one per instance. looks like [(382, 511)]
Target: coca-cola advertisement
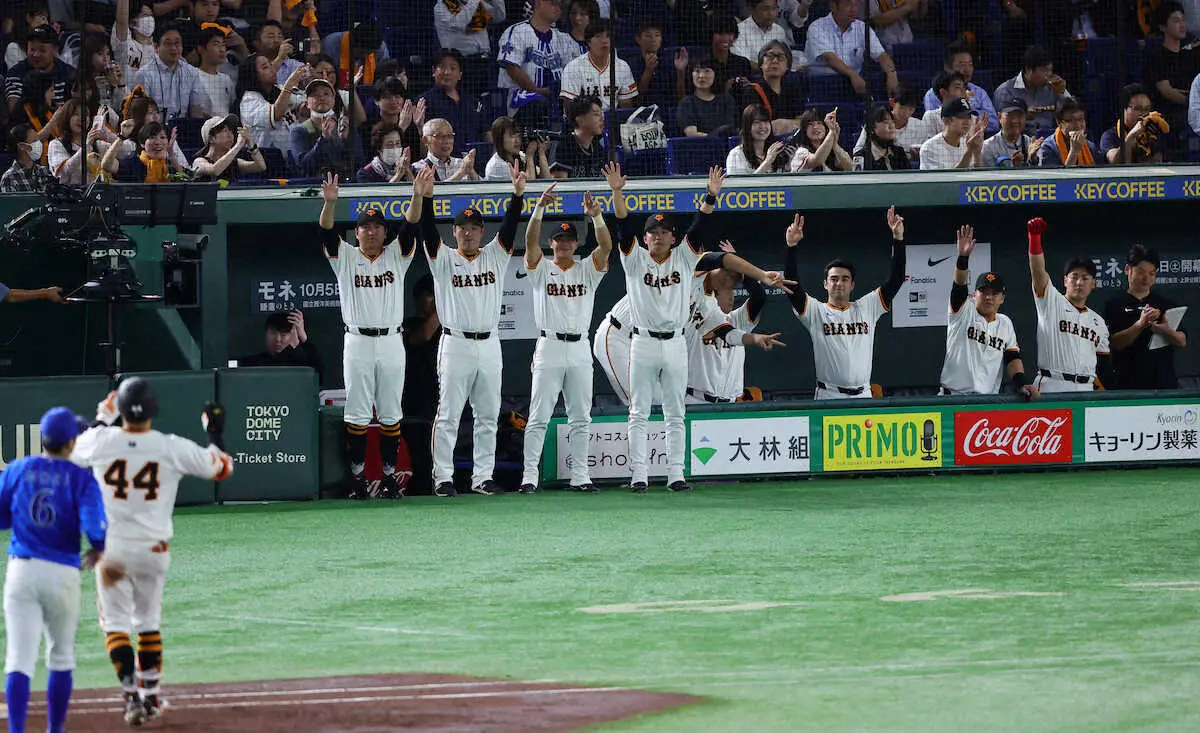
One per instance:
[(1005, 437)]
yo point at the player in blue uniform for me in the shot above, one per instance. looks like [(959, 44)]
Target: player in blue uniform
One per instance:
[(47, 501)]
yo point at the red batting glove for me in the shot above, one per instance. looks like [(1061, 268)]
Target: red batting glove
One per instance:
[(1035, 228)]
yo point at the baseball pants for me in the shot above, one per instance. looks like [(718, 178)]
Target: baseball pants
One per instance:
[(1051, 384), (610, 346), (374, 374), (560, 366), (654, 363), (467, 370), (41, 598), (134, 603), (825, 393)]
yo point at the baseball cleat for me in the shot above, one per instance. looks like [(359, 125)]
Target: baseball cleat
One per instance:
[(135, 710), (588, 488), (155, 707), (445, 488), (679, 486), (639, 488), (488, 488), (389, 487), (360, 487), (527, 489)]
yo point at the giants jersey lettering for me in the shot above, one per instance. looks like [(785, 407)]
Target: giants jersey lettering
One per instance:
[(714, 366), (371, 290), (468, 289), (843, 338), (1068, 338), (542, 56), (563, 299), (139, 477), (581, 78), (660, 292), (975, 349)]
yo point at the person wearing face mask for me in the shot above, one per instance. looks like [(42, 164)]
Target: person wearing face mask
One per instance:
[(225, 139), (322, 141), (133, 34), (26, 174), (391, 163)]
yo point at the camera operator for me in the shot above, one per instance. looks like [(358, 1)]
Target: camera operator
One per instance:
[(26, 174), (287, 344), (508, 140), (13, 295), (1139, 135)]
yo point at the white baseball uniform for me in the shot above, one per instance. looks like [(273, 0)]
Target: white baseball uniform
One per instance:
[(1068, 340), (467, 291), (541, 57), (843, 344), (716, 369), (139, 475), (582, 78), (371, 291), (975, 349), (562, 310), (610, 346)]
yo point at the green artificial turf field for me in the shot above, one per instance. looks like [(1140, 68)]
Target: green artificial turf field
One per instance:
[(792, 606)]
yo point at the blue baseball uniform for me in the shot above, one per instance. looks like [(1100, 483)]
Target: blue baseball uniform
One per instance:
[(47, 502)]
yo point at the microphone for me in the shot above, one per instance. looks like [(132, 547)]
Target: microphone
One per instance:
[(929, 442)]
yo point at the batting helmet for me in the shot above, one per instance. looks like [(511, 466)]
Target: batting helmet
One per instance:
[(136, 400)]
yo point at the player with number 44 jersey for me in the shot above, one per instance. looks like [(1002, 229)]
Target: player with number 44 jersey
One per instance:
[(139, 469)]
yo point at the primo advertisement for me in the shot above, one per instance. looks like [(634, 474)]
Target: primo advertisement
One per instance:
[(882, 442)]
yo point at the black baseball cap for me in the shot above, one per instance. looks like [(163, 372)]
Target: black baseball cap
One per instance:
[(565, 230), (44, 34), (468, 216), (659, 221), (1016, 104), (991, 281), (957, 109), (370, 214)]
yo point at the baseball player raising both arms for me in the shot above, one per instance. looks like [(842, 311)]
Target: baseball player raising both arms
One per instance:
[(1071, 338), (843, 331), (46, 500), (716, 370), (980, 340), (139, 471), (467, 284), (564, 290), (658, 279), (371, 290)]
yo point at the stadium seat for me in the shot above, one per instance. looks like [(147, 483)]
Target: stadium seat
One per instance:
[(644, 162), (694, 155), (1101, 57), (829, 88), (920, 56), (1192, 145), (276, 164)]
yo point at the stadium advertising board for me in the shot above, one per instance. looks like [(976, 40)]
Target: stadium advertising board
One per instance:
[(747, 447), (1012, 437), (608, 449), (1142, 433), (877, 442), (1144, 189)]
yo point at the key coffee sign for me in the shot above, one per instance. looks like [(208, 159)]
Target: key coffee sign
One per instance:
[(1006, 437)]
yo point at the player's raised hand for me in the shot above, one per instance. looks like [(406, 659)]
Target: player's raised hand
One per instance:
[(716, 179), (423, 182), (966, 240), (612, 174), (795, 231), (1030, 393), (518, 177), (895, 222), (549, 196), (775, 279), (767, 341), (106, 409), (1036, 227), (329, 187), (726, 246), (591, 206)]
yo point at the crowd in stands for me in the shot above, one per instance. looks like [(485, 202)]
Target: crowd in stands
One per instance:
[(237, 91)]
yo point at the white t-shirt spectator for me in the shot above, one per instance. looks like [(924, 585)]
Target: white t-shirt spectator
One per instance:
[(824, 36), (130, 54), (221, 92), (751, 38), (466, 27), (498, 170), (542, 56), (582, 78), (912, 136), (267, 132), (937, 154), (1194, 106), (13, 55), (736, 162)]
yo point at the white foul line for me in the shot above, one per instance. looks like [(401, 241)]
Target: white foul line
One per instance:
[(332, 625)]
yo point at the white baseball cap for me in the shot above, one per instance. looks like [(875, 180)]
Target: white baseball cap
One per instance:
[(212, 123)]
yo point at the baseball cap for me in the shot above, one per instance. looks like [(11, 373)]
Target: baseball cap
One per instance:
[(370, 214), (659, 221), (59, 427), (957, 108), (468, 216), (309, 87), (44, 34), (1015, 104), (566, 230), (213, 123), (991, 281)]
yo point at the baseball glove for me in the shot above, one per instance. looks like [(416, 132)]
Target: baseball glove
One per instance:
[(213, 420)]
